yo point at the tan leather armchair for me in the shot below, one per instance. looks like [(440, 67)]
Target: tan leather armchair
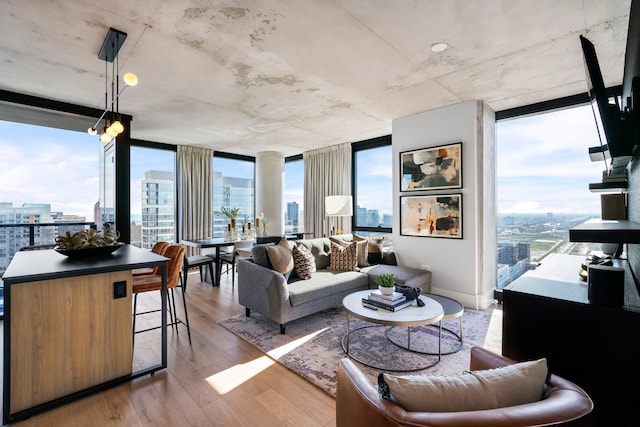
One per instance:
[(358, 404)]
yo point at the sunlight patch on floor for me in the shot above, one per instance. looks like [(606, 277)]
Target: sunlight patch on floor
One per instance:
[(277, 353), (225, 381)]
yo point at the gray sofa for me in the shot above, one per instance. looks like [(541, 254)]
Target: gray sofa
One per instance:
[(283, 299)]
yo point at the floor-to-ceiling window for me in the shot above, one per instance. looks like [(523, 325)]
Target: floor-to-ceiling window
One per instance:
[(233, 187), (543, 176), (294, 195), (47, 176), (153, 194), (373, 192)]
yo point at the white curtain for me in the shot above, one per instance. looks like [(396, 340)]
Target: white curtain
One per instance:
[(327, 172), (195, 179)]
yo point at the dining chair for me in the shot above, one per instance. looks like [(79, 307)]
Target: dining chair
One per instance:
[(199, 261), (153, 282), (158, 248), (241, 249)]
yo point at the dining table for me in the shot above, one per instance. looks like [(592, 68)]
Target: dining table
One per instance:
[(211, 242)]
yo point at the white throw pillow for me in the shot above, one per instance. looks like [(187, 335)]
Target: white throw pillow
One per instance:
[(510, 385)]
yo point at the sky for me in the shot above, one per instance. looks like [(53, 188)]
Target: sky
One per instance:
[(542, 166), (543, 163), (43, 165)]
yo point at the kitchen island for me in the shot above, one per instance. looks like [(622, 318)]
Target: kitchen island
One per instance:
[(68, 327)]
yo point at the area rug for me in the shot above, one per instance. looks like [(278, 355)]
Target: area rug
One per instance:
[(313, 345)]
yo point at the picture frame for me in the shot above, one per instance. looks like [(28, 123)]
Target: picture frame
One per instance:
[(434, 215), (433, 168)]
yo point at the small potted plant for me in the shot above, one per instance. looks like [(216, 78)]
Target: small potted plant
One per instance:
[(386, 283)]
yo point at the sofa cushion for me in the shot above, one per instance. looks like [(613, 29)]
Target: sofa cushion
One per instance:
[(510, 385), (407, 276), (303, 261), (343, 258), (259, 255), (324, 284), (320, 248), (281, 257)]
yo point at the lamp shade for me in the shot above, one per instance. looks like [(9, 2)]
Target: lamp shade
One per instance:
[(338, 205)]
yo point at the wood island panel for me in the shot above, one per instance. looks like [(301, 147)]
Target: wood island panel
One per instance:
[(68, 334)]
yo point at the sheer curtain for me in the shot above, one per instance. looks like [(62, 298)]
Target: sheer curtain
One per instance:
[(195, 179), (327, 172)]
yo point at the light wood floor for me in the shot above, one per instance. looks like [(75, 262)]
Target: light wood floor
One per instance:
[(219, 380)]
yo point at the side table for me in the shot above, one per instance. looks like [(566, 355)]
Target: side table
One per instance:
[(452, 310)]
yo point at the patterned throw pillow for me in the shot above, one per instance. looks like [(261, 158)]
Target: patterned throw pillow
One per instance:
[(361, 244), (343, 258), (281, 257), (304, 262)]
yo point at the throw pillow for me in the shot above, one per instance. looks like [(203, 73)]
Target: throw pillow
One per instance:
[(303, 261), (343, 258), (509, 385), (280, 257), (362, 249), (374, 249)]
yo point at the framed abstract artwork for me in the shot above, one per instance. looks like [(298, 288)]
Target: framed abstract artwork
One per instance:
[(437, 215), (434, 168)]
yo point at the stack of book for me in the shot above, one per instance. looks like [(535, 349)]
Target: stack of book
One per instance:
[(394, 302)]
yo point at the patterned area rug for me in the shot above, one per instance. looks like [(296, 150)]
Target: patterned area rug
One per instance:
[(313, 345)]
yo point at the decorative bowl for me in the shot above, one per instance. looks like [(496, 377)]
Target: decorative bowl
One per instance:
[(89, 252)]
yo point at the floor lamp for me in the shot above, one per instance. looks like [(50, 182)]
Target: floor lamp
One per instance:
[(338, 206)]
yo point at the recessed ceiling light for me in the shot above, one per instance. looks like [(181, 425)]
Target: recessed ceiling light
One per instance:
[(439, 47)]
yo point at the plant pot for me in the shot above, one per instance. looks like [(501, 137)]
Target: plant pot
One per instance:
[(385, 290)]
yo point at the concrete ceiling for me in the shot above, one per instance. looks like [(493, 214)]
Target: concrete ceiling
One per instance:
[(292, 75)]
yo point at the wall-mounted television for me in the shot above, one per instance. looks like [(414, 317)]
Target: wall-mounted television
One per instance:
[(613, 123)]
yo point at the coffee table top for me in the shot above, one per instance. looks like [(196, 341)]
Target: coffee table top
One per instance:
[(432, 311)]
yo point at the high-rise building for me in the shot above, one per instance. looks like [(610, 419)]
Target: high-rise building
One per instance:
[(292, 217), (158, 208), (387, 220), (17, 237), (234, 193)]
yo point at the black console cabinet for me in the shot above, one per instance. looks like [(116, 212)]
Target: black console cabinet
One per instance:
[(546, 313)]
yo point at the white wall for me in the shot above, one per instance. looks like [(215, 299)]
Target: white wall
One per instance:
[(464, 269)]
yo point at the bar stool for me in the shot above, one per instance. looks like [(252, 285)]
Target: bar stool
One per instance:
[(153, 282)]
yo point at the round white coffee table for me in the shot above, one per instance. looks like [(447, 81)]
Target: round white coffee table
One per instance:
[(432, 312)]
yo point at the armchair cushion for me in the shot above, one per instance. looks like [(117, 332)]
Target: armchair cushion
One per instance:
[(511, 385)]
